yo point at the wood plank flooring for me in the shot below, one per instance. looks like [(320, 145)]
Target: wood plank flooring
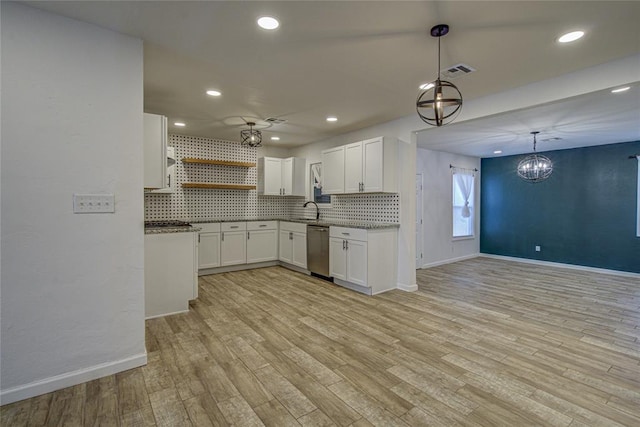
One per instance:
[(483, 342)]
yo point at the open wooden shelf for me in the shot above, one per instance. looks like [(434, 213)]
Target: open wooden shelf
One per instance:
[(218, 186), (217, 162)]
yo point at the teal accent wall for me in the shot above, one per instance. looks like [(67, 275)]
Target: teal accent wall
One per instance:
[(584, 214)]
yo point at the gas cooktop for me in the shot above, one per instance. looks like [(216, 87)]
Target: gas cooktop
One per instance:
[(166, 224)]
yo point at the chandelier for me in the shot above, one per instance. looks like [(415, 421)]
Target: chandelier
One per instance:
[(535, 167), (441, 101), (251, 137)]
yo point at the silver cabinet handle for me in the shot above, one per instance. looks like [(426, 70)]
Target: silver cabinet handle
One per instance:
[(290, 235), (262, 225), (248, 235), (347, 242), (346, 234), (223, 236), (234, 226), (343, 244), (198, 237)]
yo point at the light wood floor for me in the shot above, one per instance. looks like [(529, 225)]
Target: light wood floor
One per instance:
[(483, 342)]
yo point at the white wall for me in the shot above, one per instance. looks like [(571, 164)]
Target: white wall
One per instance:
[(403, 130), (438, 244), (72, 285)]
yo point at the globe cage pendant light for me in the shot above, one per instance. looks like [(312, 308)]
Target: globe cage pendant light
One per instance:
[(251, 137), (442, 101), (535, 167)]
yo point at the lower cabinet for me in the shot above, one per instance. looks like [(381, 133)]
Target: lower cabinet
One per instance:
[(262, 241), (170, 279), (293, 244), (209, 246), (363, 260), (233, 243)]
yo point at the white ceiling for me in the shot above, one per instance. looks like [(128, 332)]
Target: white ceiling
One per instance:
[(363, 61)]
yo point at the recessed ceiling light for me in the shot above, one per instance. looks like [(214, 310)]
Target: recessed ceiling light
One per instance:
[(268, 22), (426, 86), (497, 152), (180, 124), (275, 138), (621, 89), (213, 92), (570, 37), (332, 119)]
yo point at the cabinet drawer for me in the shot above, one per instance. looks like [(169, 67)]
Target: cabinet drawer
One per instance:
[(233, 226), (209, 227), (293, 226), (262, 225), (348, 233)]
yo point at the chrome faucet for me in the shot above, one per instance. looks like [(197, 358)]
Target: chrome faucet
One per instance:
[(317, 208)]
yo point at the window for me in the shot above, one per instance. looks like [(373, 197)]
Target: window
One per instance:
[(316, 186), (463, 203)]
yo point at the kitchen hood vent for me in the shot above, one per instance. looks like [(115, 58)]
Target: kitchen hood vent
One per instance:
[(457, 71), (275, 120)]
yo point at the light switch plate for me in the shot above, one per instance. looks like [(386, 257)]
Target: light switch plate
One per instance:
[(94, 203)]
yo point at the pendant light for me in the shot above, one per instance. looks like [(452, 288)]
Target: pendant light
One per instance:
[(251, 137), (535, 167), (442, 101)]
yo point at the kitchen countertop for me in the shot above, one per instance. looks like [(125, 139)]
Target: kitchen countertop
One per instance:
[(328, 222), (164, 230)]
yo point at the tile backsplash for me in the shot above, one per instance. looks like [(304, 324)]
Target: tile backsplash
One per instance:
[(195, 204)]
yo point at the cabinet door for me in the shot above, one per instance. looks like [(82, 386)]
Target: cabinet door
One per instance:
[(287, 176), (372, 175), (155, 151), (209, 250), (357, 262), (272, 176), (233, 248), (353, 168), (262, 245), (286, 246), (299, 249), (337, 258), (333, 171)]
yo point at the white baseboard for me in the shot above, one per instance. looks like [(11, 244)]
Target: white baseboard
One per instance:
[(71, 378), (407, 288), (166, 314), (562, 265), (449, 261)]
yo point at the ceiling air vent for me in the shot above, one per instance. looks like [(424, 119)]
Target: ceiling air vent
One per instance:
[(457, 71), (275, 120)]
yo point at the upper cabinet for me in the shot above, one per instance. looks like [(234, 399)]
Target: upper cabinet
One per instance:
[(155, 151), (281, 177), (368, 166)]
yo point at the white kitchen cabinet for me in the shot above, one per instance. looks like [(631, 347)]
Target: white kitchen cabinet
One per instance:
[(209, 246), (333, 170), (170, 278), (369, 166), (262, 241), (363, 260), (281, 177), (171, 172), (155, 151), (293, 244), (233, 243)]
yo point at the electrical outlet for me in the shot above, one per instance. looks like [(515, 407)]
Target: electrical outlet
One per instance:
[(537, 248), (94, 203)]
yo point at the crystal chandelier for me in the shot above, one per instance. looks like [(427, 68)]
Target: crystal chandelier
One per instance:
[(251, 137), (441, 101), (535, 167)]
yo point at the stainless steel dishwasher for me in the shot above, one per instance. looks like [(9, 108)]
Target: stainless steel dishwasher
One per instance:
[(318, 249)]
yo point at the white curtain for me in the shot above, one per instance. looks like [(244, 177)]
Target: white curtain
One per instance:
[(464, 180), (317, 178)]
